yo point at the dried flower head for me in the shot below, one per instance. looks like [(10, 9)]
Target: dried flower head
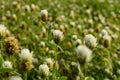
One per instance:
[(83, 53), (26, 58), (7, 64), (44, 15), (90, 41), (11, 45), (4, 32), (44, 70), (15, 78), (106, 40)]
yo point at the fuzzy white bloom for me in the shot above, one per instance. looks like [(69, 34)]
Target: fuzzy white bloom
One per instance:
[(104, 32), (27, 8), (78, 42), (58, 35), (3, 31), (107, 37), (44, 15), (90, 41), (15, 78), (44, 12), (7, 64), (44, 70), (83, 53), (42, 44), (74, 37), (106, 40), (49, 62), (26, 54)]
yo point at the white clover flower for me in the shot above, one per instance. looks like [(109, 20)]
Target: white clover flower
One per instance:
[(27, 8), (74, 37), (7, 64), (44, 15), (44, 70), (42, 44), (3, 31), (90, 41), (106, 40), (49, 62), (78, 42), (15, 78), (26, 54), (104, 32), (44, 12), (83, 53), (118, 71), (58, 35)]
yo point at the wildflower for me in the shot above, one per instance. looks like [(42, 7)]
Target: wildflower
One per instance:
[(7, 64), (11, 45), (44, 70), (27, 8), (90, 41), (15, 78), (104, 32), (33, 7), (90, 22), (4, 32), (74, 37), (78, 42), (83, 53), (42, 44), (58, 36), (44, 15), (14, 17), (49, 62), (106, 40), (26, 58)]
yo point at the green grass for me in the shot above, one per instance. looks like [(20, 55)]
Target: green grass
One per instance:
[(30, 36)]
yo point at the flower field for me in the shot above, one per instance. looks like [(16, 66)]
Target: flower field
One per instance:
[(59, 40)]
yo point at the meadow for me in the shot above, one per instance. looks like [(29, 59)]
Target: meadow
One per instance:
[(59, 40)]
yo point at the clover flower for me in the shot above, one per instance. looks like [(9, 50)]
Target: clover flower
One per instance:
[(57, 35), (15, 78), (83, 53), (7, 64), (90, 41), (11, 45), (44, 70), (4, 32), (44, 15), (26, 58)]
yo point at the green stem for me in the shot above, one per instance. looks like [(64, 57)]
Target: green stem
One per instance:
[(25, 76), (80, 72)]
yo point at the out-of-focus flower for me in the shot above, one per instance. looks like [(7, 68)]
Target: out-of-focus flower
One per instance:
[(49, 62), (44, 70), (83, 53), (57, 35), (11, 45), (7, 64), (90, 41), (106, 40), (4, 32), (44, 15), (26, 58), (15, 78)]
